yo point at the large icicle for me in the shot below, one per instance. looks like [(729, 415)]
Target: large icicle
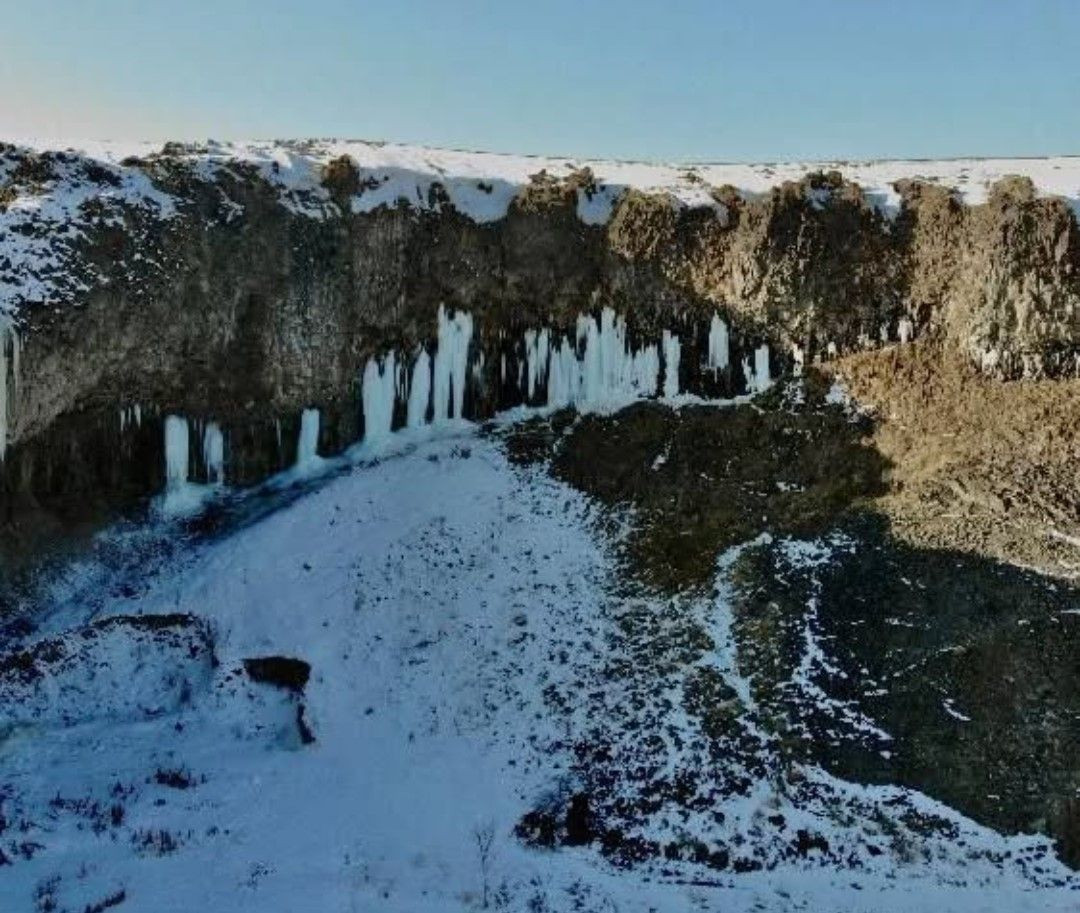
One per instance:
[(419, 391), (380, 387), (758, 378), (176, 451), (307, 445), (719, 345), (672, 354), (214, 453), (537, 351), (607, 373), (451, 365)]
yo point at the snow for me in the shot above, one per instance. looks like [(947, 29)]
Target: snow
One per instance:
[(432, 594)]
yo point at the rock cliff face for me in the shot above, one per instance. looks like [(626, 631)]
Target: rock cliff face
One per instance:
[(211, 283)]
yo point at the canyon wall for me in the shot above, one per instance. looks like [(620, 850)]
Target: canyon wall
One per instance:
[(187, 282)]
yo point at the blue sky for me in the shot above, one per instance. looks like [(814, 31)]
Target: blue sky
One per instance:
[(727, 80)]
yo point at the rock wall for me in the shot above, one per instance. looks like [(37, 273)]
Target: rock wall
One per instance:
[(243, 310)]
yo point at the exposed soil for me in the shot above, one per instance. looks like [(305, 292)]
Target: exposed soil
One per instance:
[(976, 465)]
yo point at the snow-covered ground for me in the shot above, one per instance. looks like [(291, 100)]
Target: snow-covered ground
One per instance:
[(461, 617)]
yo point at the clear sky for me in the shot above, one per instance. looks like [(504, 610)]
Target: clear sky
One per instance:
[(721, 80)]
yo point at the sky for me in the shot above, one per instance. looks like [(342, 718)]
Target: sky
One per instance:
[(685, 80)]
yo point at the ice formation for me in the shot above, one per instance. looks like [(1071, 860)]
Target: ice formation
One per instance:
[(307, 445), (537, 353), (607, 373), (451, 363), (672, 353), (176, 451), (379, 392), (906, 329), (719, 345), (758, 378), (214, 453), (419, 391)]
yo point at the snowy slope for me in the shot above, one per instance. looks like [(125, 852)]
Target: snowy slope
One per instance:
[(461, 620)]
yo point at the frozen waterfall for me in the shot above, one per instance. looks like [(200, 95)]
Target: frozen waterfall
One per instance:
[(307, 445), (419, 391), (214, 453), (451, 364), (379, 393), (719, 345), (176, 451)]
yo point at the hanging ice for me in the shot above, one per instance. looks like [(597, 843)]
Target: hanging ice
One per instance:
[(451, 364), (906, 329), (672, 353), (758, 378), (419, 390), (307, 444), (537, 351), (607, 373), (214, 453), (719, 345), (176, 451), (380, 384)]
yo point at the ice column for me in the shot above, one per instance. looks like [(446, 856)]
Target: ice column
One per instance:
[(451, 364), (380, 385), (672, 352), (214, 453), (537, 352), (307, 445), (176, 451), (419, 390), (718, 345), (758, 378)]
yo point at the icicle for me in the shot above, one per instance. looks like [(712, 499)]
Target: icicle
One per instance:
[(419, 390), (451, 364), (906, 329), (672, 353), (176, 451), (606, 373), (214, 453), (307, 445), (378, 397), (758, 378), (138, 415), (537, 351), (719, 345)]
